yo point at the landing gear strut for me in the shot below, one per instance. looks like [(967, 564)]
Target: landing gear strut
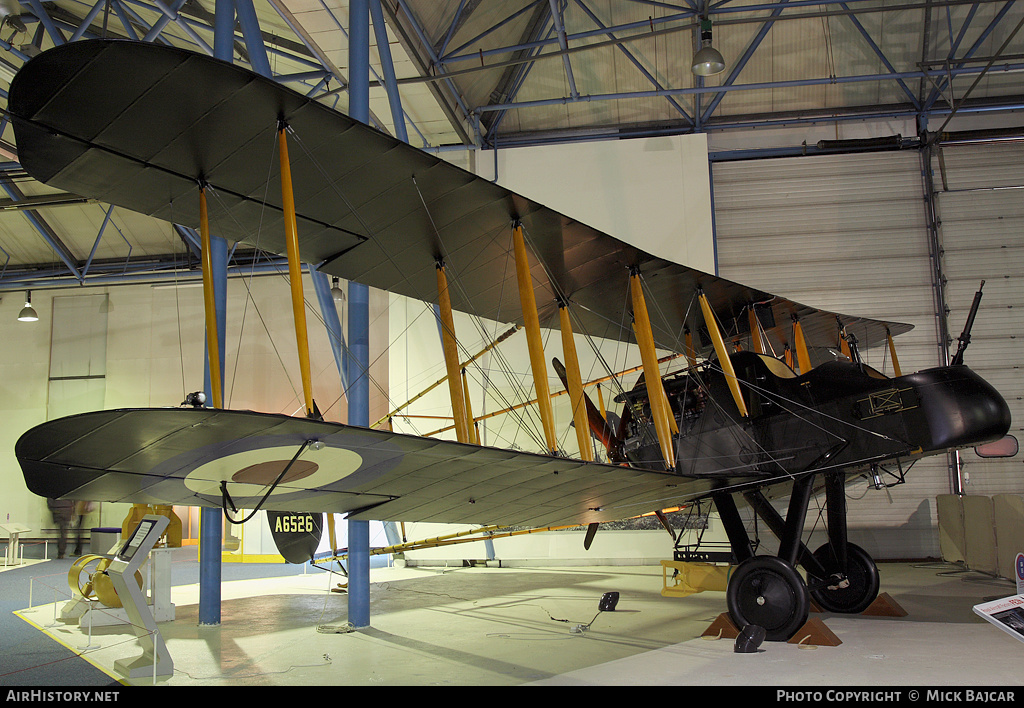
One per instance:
[(768, 591)]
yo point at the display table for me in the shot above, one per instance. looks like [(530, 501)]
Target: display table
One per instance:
[(13, 531)]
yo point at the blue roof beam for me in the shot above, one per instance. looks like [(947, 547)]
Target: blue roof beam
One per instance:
[(635, 62), (44, 229), (878, 52), (421, 35), (99, 237), (462, 13), (51, 29), (643, 28), (557, 8), (514, 77), (904, 75), (705, 115), (253, 37), (946, 81)]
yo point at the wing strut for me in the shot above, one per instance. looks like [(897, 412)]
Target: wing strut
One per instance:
[(660, 409), (295, 270), (723, 355), (474, 434), (212, 345), (844, 344), (596, 419), (532, 322), (892, 353), (691, 353), (575, 385), (451, 355), (803, 356), (755, 330)]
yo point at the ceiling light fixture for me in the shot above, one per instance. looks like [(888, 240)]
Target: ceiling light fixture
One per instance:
[(28, 313), (336, 292), (708, 61)]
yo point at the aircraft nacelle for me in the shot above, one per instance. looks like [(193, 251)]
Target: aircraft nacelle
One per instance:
[(961, 408), (838, 415)]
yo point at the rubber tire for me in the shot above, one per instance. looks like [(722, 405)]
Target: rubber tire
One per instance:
[(768, 592), (862, 574)]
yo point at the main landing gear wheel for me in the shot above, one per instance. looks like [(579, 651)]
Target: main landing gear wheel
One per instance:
[(768, 592), (861, 576)]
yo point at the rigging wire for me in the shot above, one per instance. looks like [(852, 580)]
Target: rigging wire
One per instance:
[(248, 282), (316, 163), (177, 302), (477, 320), (250, 298), (778, 399), (177, 312), (743, 430), (635, 508)]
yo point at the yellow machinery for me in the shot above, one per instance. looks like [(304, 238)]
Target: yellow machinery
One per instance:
[(173, 534), (97, 585), (692, 578)]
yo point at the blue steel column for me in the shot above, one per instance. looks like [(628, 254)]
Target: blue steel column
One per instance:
[(224, 30), (359, 323), (329, 311), (211, 523), (253, 37), (387, 65)]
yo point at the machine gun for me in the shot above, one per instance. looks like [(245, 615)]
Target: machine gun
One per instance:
[(965, 337)]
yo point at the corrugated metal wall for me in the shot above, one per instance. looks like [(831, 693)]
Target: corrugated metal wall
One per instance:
[(847, 233), (980, 205)]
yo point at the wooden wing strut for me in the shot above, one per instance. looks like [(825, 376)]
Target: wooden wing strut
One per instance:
[(723, 355), (212, 345)]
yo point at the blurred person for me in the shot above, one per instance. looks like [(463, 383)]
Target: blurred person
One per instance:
[(63, 511), (82, 509)]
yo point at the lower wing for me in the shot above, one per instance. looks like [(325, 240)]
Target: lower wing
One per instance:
[(208, 457)]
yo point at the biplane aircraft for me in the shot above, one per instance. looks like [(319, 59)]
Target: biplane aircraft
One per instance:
[(734, 427)]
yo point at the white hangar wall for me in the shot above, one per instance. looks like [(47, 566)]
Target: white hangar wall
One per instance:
[(980, 207), (846, 233), (651, 192)]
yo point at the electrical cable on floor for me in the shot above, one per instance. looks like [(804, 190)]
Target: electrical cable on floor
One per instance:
[(967, 575), (388, 586), (581, 628), (608, 602), (321, 628), (326, 662)]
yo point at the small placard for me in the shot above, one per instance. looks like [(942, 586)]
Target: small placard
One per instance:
[(1007, 614)]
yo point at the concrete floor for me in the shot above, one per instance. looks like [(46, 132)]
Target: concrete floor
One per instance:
[(513, 626)]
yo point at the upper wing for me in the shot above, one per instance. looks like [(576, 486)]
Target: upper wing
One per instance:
[(182, 456), (139, 125)]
